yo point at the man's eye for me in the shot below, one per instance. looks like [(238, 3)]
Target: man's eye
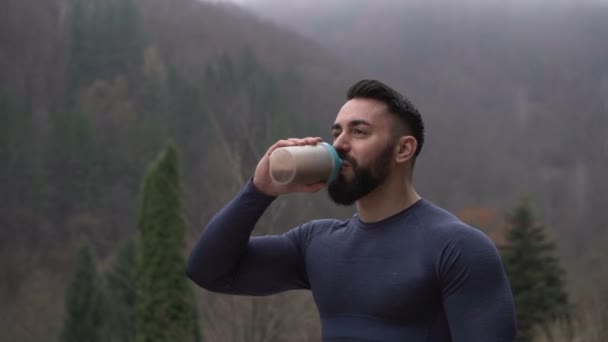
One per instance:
[(335, 134), (359, 132)]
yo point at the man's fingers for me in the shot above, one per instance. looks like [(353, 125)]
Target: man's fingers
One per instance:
[(306, 141), (312, 187), (294, 142), (313, 140), (280, 143)]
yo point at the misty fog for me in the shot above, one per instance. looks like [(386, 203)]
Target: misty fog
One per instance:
[(514, 95)]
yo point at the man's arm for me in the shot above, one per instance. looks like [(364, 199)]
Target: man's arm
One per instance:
[(477, 296), (227, 260)]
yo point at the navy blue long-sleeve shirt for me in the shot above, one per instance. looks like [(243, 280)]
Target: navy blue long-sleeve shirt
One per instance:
[(419, 275)]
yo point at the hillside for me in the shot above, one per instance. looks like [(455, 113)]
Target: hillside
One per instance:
[(92, 89), (514, 96)]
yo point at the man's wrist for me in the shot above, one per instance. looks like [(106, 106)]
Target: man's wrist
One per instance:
[(258, 189)]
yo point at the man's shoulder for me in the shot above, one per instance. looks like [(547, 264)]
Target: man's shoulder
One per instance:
[(445, 225), (433, 216), (450, 240), (323, 225), (316, 226)]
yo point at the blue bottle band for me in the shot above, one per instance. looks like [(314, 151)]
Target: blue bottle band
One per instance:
[(337, 162)]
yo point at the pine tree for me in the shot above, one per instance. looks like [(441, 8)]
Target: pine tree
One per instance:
[(536, 278), (120, 283), (105, 41), (14, 124), (165, 303), (84, 305), (17, 171), (76, 163)]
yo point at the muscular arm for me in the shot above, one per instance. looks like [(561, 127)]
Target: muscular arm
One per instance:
[(226, 259), (476, 293)]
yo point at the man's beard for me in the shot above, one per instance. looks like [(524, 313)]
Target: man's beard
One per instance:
[(364, 181)]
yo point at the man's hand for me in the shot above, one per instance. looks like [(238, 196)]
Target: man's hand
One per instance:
[(264, 182)]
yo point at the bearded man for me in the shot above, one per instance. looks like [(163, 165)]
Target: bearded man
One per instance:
[(400, 269)]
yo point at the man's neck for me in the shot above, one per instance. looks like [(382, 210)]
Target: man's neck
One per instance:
[(388, 199)]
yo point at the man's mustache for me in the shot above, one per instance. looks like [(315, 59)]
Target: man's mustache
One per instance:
[(347, 158)]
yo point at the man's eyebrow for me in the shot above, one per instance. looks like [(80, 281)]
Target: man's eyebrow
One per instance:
[(351, 124)]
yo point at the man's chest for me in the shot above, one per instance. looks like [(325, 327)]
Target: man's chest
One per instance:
[(383, 277)]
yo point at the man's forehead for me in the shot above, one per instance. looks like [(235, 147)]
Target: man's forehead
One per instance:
[(361, 109)]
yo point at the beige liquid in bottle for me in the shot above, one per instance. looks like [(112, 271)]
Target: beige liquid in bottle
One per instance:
[(306, 164)]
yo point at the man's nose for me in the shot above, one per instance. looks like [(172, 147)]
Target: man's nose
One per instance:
[(341, 144)]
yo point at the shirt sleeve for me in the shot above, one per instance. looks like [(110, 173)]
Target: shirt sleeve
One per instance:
[(476, 293), (227, 259)]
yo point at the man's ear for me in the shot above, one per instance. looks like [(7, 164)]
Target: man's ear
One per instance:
[(406, 148)]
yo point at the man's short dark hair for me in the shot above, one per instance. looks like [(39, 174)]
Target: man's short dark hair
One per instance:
[(396, 103)]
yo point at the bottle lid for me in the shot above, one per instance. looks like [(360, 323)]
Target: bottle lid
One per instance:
[(337, 162)]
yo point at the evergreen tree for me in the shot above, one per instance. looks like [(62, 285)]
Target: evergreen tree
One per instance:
[(105, 41), (17, 171), (536, 278), (120, 293), (83, 307), (15, 123), (76, 163), (165, 303)]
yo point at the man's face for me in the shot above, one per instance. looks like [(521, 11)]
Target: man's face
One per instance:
[(363, 137)]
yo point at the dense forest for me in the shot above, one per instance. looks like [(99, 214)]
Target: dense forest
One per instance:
[(515, 99)]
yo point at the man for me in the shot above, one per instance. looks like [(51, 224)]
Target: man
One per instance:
[(401, 269)]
